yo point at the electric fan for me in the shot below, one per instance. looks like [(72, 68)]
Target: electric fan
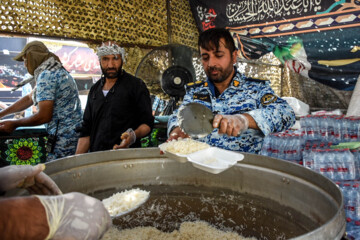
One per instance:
[(167, 69)]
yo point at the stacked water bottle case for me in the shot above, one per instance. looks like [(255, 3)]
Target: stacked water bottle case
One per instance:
[(328, 145)]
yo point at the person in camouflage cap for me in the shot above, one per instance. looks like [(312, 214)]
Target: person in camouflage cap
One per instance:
[(56, 97)]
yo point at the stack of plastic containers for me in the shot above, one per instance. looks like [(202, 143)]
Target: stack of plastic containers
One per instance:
[(336, 164), (319, 146), (287, 146), (334, 128), (351, 194)]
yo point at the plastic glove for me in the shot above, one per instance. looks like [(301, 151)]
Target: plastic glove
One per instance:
[(177, 133), (232, 125), (26, 176), (75, 216), (128, 138)]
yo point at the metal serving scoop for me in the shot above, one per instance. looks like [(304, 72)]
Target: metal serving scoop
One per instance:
[(195, 120), (127, 196), (129, 210)]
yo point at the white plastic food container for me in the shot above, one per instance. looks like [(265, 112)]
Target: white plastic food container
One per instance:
[(182, 156), (176, 156), (214, 160)]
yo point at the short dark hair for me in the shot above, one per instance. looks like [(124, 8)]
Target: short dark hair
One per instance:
[(211, 38)]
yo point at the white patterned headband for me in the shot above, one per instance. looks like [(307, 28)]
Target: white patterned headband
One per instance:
[(111, 49)]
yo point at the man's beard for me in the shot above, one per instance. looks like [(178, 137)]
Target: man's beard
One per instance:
[(115, 73), (220, 76)]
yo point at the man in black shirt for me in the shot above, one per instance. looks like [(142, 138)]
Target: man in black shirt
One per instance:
[(118, 106)]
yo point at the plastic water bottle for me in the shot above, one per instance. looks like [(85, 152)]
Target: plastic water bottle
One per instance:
[(306, 158), (282, 145), (355, 153), (331, 120), (348, 169), (266, 147), (357, 162), (341, 187), (337, 130), (297, 147), (339, 173), (317, 123), (356, 201), (310, 124), (346, 194), (350, 163), (352, 198), (303, 125), (279, 147), (291, 148), (323, 127), (330, 164), (357, 124), (353, 128), (350, 224), (346, 129), (323, 163), (319, 162), (315, 155)]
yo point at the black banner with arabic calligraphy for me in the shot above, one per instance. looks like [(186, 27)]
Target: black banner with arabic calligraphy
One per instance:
[(319, 39)]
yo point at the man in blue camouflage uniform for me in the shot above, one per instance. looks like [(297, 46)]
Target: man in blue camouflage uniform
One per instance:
[(246, 109), (56, 97)]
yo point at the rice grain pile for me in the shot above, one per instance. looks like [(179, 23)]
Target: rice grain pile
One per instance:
[(183, 146), (188, 231), (124, 201)]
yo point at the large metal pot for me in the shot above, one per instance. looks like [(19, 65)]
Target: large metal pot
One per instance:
[(260, 196)]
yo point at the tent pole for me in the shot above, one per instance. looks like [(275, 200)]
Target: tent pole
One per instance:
[(169, 27), (354, 108)]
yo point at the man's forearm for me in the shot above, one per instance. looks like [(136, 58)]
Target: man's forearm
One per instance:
[(44, 115), (142, 131), (23, 218), (83, 145), (33, 120), (20, 105)]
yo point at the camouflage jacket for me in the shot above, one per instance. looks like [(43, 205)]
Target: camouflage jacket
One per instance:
[(244, 95)]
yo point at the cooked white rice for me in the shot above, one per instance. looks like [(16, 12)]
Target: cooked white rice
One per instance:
[(124, 201), (188, 231), (183, 146)]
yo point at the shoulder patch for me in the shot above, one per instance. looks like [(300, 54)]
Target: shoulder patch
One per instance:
[(236, 83), (268, 98), (195, 84), (202, 97)]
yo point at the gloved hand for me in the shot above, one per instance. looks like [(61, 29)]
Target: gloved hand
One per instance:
[(177, 133), (128, 138), (232, 125), (75, 216), (26, 176)]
